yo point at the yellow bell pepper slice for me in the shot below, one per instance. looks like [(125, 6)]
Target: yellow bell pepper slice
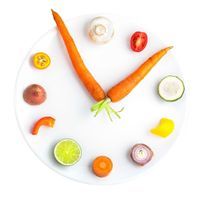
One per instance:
[(164, 128)]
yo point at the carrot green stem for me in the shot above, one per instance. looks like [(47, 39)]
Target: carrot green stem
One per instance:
[(108, 113), (105, 105)]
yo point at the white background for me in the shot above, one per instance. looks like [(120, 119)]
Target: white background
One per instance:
[(23, 176)]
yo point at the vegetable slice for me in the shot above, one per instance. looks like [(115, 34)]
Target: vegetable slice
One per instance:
[(102, 166), (138, 41), (141, 154), (101, 30), (164, 128), (67, 152), (41, 60), (171, 88), (45, 121)]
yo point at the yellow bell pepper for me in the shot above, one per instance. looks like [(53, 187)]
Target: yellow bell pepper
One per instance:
[(164, 128)]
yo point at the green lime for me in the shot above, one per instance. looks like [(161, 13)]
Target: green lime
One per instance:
[(67, 152)]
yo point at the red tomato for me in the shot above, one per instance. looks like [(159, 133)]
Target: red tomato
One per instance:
[(138, 41)]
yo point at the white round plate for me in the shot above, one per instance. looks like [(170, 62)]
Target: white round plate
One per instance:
[(69, 102)]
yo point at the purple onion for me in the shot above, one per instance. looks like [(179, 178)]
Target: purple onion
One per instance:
[(141, 154)]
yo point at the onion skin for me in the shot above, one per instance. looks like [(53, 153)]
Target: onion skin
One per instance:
[(34, 94), (134, 154)]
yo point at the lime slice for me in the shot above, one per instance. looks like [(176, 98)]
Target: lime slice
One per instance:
[(67, 152)]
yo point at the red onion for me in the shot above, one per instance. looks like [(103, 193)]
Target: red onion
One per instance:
[(34, 94), (141, 154)]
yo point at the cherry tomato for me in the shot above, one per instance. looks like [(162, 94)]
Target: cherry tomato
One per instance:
[(41, 60), (138, 41)]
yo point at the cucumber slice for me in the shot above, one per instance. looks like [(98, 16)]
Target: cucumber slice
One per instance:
[(171, 88)]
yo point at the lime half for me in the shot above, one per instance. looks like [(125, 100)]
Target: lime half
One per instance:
[(67, 152)]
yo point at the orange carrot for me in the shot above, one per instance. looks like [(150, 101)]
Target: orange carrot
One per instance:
[(124, 87), (102, 166), (85, 76)]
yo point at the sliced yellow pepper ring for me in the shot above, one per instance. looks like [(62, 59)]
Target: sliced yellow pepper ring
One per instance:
[(41, 60), (164, 128)]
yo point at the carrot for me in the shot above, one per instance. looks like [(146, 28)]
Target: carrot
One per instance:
[(124, 87), (85, 76), (102, 166)]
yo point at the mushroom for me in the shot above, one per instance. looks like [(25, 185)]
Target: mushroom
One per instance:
[(101, 30)]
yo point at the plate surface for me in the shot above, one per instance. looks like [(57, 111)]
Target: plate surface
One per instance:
[(69, 102)]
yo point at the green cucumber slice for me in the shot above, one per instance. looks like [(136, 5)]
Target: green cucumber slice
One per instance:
[(171, 88)]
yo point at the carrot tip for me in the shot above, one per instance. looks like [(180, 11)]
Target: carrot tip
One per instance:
[(53, 12), (170, 47)]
